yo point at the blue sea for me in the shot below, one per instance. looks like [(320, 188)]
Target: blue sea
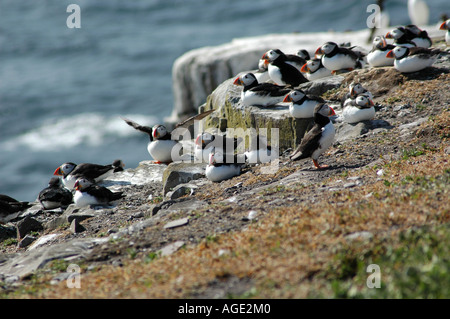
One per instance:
[(62, 90)]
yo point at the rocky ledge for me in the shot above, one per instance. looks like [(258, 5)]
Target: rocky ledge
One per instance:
[(168, 207)]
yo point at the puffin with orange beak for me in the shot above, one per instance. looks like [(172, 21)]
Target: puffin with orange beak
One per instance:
[(317, 140), (377, 56), (259, 94), (414, 59), (162, 144), (357, 110), (314, 70), (446, 26), (87, 193), (281, 69), (336, 58)]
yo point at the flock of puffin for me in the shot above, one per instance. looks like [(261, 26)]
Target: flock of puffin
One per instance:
[(275, 81)]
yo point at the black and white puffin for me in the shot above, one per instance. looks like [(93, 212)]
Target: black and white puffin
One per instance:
[(418, 36), (355, 89), (206, 142), (401, 37), (314, 69), (220, 167), (262, 74), (304, 54), (359, 109), (302, 105), (319, 138), (377, 56), (161, 143), (55, 195), (446, 26), (9, 206), (282, 71), (336, 58), (88, 193), (259, 94), (70, 172), (412, 59)]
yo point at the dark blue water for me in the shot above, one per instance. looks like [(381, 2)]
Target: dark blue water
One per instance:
[(62, 91)]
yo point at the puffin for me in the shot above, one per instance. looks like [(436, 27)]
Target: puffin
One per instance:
[(355, 89), (359, 109), (207, 142), (401, 37), (377, 56), (314, 70), (412, 59), (319, 138), (336, 58), (161, 143), (446, 26), (262, 74), (418, 36), (302, 105), (259, 151), (304, 54), (88, 193), (10, 206), (219, 169), (70, 172), (282, 71), (259, 94), (55, 195)]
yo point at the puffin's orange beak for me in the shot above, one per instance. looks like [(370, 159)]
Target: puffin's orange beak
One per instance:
[(237, 81), (304, 68), (58, 172), (390, 54), (319, 51), (332, 112), (371, 102), (384, 42), (287, 98), (443, 26), (76, 186), (388, 35)]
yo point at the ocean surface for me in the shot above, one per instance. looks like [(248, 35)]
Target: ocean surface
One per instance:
[(62, 91)]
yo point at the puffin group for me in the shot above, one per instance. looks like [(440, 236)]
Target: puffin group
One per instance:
[(276, 81)]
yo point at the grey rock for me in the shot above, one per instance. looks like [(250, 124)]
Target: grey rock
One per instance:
[(177, 223), (26, 241), (181, 190), (75, 226), (181, 173), (320, 86), (362, 235), (171, 248), (7, 232), (26, 225)]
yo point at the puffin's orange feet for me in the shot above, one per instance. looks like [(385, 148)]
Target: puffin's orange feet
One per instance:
[(318, 166)]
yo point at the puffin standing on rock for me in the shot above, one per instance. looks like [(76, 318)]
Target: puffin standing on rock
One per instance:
[(259, 94), (412, 59), (319, 138), (161, 143), (282, 71), (87, 193), (70, 172), (314, 70), (446, 26), (206, 142)]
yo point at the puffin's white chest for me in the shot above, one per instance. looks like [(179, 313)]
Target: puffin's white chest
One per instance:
[(352, 114), (161, 150), (378, 58), (69, 181), (326, 140), (339, 62), (223, 172), (304, 110), (320, 73), (275, 74), (447, 37), (82, 199), (412, 64)]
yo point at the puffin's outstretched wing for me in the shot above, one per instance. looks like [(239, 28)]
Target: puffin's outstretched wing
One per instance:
[(142, 128), (190, 121)]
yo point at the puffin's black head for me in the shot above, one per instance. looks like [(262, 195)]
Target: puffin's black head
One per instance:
[(54, 182), (159, 131), (272, 55), (398, 52), (326, 48), (304, 54), (65, 169), (396, 33), (246, 80)]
